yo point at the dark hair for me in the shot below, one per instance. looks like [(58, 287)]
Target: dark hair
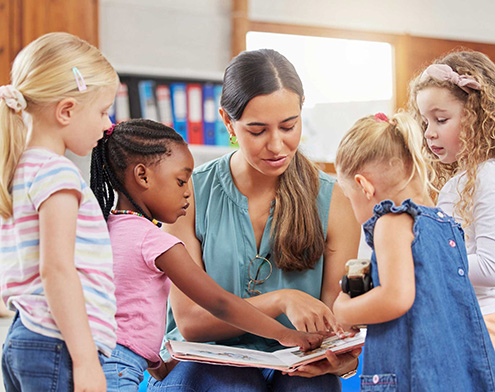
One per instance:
[(130, 141), (297, 237), (253, 73)]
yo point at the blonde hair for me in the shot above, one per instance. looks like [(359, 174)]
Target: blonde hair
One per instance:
[(392, 142), (42, 73), (477, 136)]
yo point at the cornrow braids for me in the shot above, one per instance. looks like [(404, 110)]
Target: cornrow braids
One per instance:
[(129, 142)]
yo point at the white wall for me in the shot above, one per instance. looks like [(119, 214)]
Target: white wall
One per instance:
[(192, 37)]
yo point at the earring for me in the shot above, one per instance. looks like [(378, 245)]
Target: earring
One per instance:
[(232, 137)]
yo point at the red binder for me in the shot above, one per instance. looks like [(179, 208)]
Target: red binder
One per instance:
[(195, 113)]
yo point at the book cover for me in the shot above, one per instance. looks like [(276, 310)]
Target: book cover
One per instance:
[(286, 360)]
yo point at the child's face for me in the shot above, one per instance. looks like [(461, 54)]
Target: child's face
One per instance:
[(442, 114), (169, 185), (89, 122), (361, 205)]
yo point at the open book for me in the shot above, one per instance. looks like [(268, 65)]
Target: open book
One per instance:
[(286, 360)]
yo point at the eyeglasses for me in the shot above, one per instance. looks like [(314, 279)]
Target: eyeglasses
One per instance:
[(263, 269)]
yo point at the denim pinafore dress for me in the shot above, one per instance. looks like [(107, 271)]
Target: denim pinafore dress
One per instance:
[(441, 343)]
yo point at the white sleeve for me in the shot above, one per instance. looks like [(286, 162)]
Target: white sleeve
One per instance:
[(482, 261)]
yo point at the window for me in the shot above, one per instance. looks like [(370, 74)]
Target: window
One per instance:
[(343, 80)]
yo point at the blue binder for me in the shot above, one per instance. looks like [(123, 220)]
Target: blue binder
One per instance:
[(221, 133), (209, 115), (179, 108), (147, 100)]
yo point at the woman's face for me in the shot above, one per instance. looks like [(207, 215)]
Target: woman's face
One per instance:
[(269, 131)]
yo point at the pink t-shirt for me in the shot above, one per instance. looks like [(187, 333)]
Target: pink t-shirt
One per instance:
[(141, 288)]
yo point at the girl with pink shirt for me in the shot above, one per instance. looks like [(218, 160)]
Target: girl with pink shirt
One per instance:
[(149, 166)]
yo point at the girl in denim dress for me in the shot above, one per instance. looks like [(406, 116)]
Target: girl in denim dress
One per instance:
[(425, 328)]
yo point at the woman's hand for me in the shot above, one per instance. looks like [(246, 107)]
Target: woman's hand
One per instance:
[(333, 364), (307, 313)]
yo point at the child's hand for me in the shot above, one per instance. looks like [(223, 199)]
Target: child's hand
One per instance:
[(304, 340), (89, 377), (163, 370), (339, 307)]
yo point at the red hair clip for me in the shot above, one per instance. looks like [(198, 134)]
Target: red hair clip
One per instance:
[(381, 117), (109, 131)]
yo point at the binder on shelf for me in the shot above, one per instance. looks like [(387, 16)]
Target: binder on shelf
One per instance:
[(209, 115), (194, 113), (111, 113), (122, 108), (147, 100), (221, 133), (179, 108), (164, 104)]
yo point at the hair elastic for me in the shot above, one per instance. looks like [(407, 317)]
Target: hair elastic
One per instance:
[(109, 131), (381, 117), (81, 84), (444, 73), (13, 98)]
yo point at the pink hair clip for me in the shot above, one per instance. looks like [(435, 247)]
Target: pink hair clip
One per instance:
[(381, 117), (81, 84), (109, 131)]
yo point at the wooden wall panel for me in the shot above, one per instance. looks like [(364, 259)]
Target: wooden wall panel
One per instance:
[(4, 42), (414, 53), (79, 17), (22, 21)]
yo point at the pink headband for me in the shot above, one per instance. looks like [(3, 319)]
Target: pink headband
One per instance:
[(443, 73)]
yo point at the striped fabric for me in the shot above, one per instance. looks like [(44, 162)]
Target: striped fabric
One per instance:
[(41, 173)]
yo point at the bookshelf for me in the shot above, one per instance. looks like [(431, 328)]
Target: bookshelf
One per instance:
[(188, 102)]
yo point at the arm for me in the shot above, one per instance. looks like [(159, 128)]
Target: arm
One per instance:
[(202, 289), (196, 324), (63, 290), (482, 262), (396, 293)]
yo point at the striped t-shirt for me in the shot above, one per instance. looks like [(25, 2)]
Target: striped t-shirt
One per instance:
[(39, 175)]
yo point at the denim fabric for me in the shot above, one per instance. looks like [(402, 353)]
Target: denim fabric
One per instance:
[(198, 377), (441, 343), (32, 362), (124, 370)]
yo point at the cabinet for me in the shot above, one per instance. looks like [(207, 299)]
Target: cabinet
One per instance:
[(22, 21)]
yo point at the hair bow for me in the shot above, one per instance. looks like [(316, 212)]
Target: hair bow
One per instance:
[(13, 98), (443, 73)]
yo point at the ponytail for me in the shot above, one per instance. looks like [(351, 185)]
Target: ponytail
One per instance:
[(376, 139), (13, 141)]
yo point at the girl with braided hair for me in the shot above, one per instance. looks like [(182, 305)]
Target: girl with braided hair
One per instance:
[(149, 166)]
